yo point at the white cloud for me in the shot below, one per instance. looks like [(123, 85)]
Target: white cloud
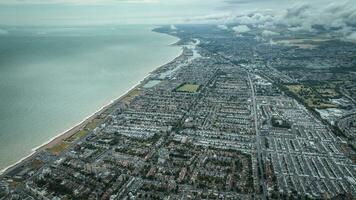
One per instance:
[(254, 18), (223, 26), (241, 29), (268, 33), (173, 27), (352, 36)]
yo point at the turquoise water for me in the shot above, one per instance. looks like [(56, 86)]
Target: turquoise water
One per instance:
[(52, 78)]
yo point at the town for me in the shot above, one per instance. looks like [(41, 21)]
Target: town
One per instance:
[(233, 117)]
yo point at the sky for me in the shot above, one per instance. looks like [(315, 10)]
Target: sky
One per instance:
[(299, 14), (87, 12)]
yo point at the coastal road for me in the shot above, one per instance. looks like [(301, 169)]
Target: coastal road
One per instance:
[(258, 139)]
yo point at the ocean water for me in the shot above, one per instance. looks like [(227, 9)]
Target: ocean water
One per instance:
[(51, 78)]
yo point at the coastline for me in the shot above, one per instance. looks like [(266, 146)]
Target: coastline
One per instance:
[(78, 126)]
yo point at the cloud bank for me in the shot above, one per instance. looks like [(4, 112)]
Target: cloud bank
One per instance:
[(338, 18)]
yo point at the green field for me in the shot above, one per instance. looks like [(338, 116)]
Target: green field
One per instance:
[(77, 135), (59, 148), (314, 96), (188, 88), (130, 95)]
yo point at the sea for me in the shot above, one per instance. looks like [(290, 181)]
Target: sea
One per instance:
[(51, 78)]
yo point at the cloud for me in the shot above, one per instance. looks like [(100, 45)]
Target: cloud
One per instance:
[(241, 29), (336, 18), (3, 32), (98, 12), (255, 18), (268, 33), (173, 27), (297, 11), (305, 15), (220, 17), (223, 26), (73, 2), (331, 17), (352, 36)]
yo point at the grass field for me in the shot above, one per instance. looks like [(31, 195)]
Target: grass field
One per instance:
[(188, 88), (77, 135), (93, 124), (36, 164), (128, 97), (59, 148), (313, 97)]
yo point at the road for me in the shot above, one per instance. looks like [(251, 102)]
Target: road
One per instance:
[(258, 139)]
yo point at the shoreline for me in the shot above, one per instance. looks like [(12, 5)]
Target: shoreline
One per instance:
[(78, 126)]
